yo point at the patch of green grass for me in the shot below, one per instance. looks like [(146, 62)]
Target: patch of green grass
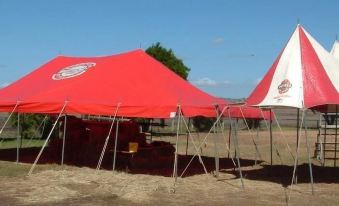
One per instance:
[(12, 143)]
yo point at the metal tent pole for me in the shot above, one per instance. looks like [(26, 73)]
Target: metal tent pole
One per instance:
[(203, 141), (297, 154), (253, 140), (257, 137), (271, 138), (63, 141), (298, 134), (187, 134), (324, 143), (175, 166), (216, 153), (336, 135), (107, 138), (18, 140), (229, 141), (309, 156), (235, 142), (115, 144), (47, 139), (195, 147)]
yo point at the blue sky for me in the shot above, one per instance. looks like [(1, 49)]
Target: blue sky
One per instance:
[(229, 45)]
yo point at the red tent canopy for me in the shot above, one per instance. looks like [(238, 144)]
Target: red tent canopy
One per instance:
[(140, 85), (243, 111)]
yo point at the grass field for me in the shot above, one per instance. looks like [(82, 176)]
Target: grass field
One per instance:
[(52, 184)]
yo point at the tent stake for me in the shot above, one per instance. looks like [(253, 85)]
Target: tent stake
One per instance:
[(47, 139), (63, 141), (115, 144)]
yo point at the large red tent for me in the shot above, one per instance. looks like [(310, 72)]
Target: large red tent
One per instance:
[(133, 82)]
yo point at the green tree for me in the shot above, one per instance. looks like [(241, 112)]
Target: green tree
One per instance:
[(203, 124), (169, 59), (28, 124)]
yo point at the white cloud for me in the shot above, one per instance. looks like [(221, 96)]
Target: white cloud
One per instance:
[(4, 85), (218, 40), (207, 82)]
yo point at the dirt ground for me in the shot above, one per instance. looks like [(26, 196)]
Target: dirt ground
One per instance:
[(264, 184)]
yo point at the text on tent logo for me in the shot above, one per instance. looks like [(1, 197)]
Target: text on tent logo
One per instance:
[(73, 71)]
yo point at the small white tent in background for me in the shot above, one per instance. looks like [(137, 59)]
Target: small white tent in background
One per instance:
[(335, 49)]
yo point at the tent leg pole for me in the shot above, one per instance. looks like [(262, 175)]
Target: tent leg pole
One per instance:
[(257, 137), (189, 119), (309, 156), (115, 144), (107, 138), (229, 141), (298, 134), (271, 138), (236, 145), (63, 141), (202, 143), (18, 140), (235, 142), (336, 135), (325, 137), (216, 154), (47, 139), (296, 158), (257, 153), (196, 148), (175, 166)]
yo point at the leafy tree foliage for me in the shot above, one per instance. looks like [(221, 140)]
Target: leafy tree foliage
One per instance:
[(28, 124), (168, 58), (203, 124)]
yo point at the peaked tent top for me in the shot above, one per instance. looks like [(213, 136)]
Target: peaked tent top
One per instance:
[(335, 49), (135, 82), (304, 75)]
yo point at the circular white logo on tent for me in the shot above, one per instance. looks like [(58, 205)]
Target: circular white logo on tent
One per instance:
[(73, 71)]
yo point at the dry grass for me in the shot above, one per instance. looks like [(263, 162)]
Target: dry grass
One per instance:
[(264, 184)]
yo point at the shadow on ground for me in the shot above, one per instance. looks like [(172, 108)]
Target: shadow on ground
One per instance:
[(153, 165)]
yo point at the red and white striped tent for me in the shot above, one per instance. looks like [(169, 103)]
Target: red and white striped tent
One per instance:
[(304, 75), (335, 49)]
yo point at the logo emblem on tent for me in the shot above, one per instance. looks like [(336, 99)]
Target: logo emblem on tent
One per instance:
[(284, 86), (73, 71)]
